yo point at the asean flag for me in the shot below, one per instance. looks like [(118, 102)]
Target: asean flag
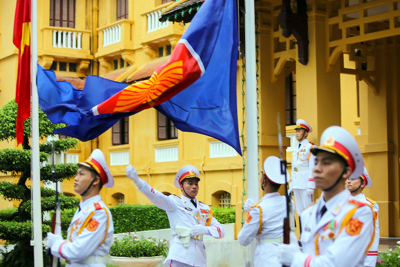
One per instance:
[(188, 62)]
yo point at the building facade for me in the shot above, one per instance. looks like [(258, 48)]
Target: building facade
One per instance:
[(351, 79)]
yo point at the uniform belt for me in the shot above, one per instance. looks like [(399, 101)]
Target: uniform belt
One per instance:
[(297, 169), (278, 240), (197, 237), (90, 259)]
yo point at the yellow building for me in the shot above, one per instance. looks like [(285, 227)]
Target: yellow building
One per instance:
[(351, 79)]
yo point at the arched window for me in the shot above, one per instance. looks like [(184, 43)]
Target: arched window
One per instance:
[(118, 199), (221, 199)]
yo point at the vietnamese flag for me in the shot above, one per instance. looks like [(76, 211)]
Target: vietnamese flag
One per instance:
[(21, 39)]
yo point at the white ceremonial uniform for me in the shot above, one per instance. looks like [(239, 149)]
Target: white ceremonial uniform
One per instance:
[(302, 177), (340, 238), (89, 235), (269, 233), (372, 254), (181, 212)]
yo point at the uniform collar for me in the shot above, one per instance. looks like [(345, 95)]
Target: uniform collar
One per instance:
[(334, 204), (270, 195), (83, 205), (360, 197), (305, 141)]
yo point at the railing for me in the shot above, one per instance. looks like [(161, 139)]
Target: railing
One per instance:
[(153, 22), (112, 35), (67, 39)]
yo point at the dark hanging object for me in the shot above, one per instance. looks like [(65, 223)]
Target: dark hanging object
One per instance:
[(296, 24)]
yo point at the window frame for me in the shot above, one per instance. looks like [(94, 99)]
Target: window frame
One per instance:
[(122, 126)]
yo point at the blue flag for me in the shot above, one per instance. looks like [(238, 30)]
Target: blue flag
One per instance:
[(207, 106)]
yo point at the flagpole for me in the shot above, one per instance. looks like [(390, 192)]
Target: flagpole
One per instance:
[(251, 107), (35, 163)]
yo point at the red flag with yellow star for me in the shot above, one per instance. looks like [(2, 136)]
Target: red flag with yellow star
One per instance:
[(21, 39)]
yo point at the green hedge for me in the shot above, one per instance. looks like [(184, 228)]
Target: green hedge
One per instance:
[(146, 217)]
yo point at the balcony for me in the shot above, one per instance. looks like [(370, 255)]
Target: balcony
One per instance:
[(157, 31), (115, 38), (65, 42)]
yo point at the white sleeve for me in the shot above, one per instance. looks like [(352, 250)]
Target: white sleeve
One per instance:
[(157, 198), (250, 228)]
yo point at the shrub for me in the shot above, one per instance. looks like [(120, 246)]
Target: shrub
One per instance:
[(391, 258), (132, 246), (224, 215)]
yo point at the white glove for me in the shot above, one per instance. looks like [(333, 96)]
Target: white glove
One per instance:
[(198, 229), (310, 191), (248, 204), (53, 238), (286, 253), (132, 174)]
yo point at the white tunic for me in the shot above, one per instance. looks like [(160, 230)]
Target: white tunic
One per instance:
[(273, 208), (89, 234), (372, 254), (181, 212), (331, 241), (302, 166)]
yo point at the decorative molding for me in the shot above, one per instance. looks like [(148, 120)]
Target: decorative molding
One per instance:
[(221, 150), (165, 154), (173, 41), (83, 65), (106, 64), (148, 50), (72, 158), (119, 158), (129, 56), (46, 61)]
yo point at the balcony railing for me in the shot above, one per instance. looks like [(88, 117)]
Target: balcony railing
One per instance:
[(153, 22), (115, 37), (65, 42), (67, 39), (112, 35)]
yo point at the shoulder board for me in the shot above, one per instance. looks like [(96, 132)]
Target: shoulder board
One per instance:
[(311, 143), (357, 203), (371, 201), (202, 203), (175, 195), (97, 206)]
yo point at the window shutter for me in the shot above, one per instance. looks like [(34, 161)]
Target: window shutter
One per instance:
[(116, 133), (162, 127), (125, 130)]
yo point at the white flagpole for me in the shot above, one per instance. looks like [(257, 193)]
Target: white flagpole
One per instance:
[(251, 117), (35, 163)]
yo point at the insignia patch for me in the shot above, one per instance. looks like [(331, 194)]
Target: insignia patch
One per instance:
[(354, 227), (187, 208), (248, 218), (92, 225), (204, 211), (152, 190)]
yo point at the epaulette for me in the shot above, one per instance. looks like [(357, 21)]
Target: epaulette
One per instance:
[(357, 203), (97, 206), (175, 195), (312, 143), (371, 201), (203, 203)]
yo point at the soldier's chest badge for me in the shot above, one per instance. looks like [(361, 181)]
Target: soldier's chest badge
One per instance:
[(76, 225), (92, 225), (354, 227)]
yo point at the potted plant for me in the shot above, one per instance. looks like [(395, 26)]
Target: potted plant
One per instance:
[(389, 258), (136, 251)]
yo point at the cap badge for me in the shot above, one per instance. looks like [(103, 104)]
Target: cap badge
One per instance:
[(330, 141)]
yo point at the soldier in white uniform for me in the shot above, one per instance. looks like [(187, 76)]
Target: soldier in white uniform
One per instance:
[(337, 229), (189, 218), (302, 183), (265, 219), (356, 187), (91, 230)]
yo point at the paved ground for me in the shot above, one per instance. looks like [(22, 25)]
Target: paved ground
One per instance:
[(387, 242)]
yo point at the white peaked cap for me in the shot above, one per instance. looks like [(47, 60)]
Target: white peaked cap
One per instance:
[(186, 172), (272, 170), (97, 162), (337, 140), (302, 124)]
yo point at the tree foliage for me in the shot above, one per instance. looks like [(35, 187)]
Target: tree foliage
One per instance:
[(16, 225)]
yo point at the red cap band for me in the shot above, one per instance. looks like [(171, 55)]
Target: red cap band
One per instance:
[(364, 179), (95, 165), (189, 174), (304, 126)]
